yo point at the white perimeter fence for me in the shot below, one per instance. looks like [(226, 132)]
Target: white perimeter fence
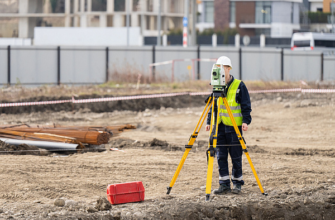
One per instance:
[(38, 65)]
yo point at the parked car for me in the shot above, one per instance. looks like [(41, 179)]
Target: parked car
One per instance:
[(311, 41)]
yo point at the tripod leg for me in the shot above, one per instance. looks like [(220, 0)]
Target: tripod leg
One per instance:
[(212, 149), (243, 145), (190, 144)]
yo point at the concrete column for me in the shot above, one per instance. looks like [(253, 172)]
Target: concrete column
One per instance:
[(103, 20), (143, 5), (118, 20), (155, 6), (110, 6), (89, 5), (130, 5), (262, 40), (164, 23), (89, 9), (47, 7), (164, 40), (237, 40), (82, 6), (143, 23), (165, 6), (143, 9), (152, 23), (134, 20), (23, 22), (214, 40), (67, 14), (23, 28), (75, 12), (83, 21), (83, 15)]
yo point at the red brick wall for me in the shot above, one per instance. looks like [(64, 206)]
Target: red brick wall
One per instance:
[(221, 14), (245, 13)]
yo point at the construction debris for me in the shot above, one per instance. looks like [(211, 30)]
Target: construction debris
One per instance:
[(51, 146), (87, 137), (22, 149), (68, 138)]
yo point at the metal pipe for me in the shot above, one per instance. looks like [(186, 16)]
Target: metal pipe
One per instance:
[(240, 62), (43, 144), (282, 64), (107, 64), (321, 66), (58, 65), (8, 65), (198, 62), (153, 61)]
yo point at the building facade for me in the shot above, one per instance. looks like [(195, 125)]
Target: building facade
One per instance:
[(90, 13), (316, 5), (271, 18)]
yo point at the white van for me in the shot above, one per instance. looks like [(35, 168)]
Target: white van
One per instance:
[(311, 41)]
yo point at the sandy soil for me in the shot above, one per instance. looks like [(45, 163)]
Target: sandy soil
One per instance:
[(291, 144)]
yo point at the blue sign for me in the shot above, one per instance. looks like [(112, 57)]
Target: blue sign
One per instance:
[(185, 21)]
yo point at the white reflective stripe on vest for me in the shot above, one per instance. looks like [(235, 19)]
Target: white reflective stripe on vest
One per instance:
[(238, 179), (223, 177), (231, 107), (234, 114)]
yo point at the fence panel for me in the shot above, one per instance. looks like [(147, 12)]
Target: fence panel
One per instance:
[(181, 72), (129, 61), (3, 65), (33, 65), (216, 52), (302, 65), (261, 64), (204, 40), (329, 68), (83, 65)]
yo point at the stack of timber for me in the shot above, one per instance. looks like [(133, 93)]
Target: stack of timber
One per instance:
[(78, 136)]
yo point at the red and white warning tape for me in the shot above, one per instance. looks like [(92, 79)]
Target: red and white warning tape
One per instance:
[(33, 103), (73, 100), (127, 98), (110, 99), (276, 90), (318, 90)]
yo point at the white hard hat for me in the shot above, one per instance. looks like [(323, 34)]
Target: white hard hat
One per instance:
[(224, 61)]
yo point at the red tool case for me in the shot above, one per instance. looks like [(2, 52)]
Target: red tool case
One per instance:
[(125, 192)]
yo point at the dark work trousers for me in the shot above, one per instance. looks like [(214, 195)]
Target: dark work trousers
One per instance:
[(228, 136)]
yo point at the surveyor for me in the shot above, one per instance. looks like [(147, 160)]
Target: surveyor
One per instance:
[(227, 142)]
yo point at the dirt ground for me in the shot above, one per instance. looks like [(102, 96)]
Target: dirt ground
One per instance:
[(290, 140)]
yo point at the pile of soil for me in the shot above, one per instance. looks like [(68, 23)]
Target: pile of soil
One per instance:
[(124, 143)]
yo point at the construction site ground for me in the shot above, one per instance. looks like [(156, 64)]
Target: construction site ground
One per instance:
[(290, 140)]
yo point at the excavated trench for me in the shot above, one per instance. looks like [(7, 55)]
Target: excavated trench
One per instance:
[(181, 101)]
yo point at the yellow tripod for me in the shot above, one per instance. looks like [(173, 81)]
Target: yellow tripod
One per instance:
[(212, 101)]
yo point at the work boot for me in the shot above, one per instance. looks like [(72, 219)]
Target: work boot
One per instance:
[(223, 189), (237, 188)]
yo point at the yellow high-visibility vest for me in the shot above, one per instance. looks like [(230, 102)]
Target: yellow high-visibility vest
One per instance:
[(234, 106)]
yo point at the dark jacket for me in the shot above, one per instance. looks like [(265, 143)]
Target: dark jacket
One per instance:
[(243, 98)]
